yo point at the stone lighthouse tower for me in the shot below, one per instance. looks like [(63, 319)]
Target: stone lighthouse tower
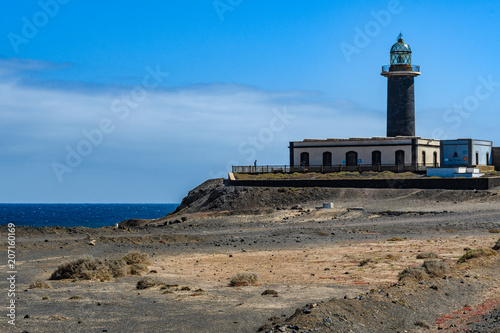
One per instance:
[(400, 90)]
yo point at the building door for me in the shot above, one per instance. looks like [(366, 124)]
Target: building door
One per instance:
[(351, 158), (304, 159), (376, 158), (435, 161), (487, 158), (327, 158), (477, 158), (423, 158), (400, 157)]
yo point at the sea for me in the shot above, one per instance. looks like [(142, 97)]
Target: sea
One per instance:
[(79, 215)]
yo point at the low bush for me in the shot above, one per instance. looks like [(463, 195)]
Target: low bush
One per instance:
[(476, 253), (97, 270), (243, 279), (436, 268), (412, 273), (39, 284), (427, 255), (395, 239), (147, 282), (430, 268), (137, 258)]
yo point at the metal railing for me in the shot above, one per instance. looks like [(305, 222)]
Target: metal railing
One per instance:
[(331, 168), (414, 68)]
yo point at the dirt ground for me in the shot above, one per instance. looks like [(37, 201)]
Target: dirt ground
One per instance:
[(331, 270)]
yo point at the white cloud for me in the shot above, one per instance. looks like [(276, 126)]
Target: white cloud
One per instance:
[(199, 128)]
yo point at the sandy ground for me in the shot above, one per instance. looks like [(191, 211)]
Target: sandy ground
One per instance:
[(306, 256)]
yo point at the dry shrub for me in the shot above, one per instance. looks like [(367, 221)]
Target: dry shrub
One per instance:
[(430, 268), (147, 282), (119, 268), (395, 239), (39, 284), (496, 247), (243, 279), (270, 292), (412, 273), (135, 258), (138, 269), (436, 268), (476, 253), (494, 231), (364, 262), (97, 270), (427, 255)]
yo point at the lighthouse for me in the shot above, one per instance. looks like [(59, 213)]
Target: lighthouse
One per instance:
[(400, 90)]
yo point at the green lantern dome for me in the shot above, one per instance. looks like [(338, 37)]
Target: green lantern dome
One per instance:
[(400, 53)]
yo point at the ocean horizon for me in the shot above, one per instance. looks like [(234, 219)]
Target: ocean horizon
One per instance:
[(91, 215)]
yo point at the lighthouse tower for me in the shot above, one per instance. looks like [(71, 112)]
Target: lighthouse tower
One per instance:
[(400, 90)]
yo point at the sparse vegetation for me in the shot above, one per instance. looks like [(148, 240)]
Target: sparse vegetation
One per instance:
[(476, 253), (494, 231), (422, 324), (436, 268), (364, 262), (395, 239), (430, 268), (97, 270), (427, 255), (243, 279), (147, 282), (271, 292), (326, 176), (39, 284), (412, 273), (496, 247)]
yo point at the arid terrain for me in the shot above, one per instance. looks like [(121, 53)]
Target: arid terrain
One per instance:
[(320, 270)]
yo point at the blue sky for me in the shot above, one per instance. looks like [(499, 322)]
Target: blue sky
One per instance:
[(125, 101)]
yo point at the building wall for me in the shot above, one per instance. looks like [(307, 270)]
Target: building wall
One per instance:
[(483, 150), (388, 154), (364, 148), (496, 157), (462, 152)]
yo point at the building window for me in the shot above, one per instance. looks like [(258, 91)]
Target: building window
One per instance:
[(351, 158), (327, 158), (477, 158), (304, 159), (435, 161), (400, 157), (423, 158), (487, 158), (376, 158)]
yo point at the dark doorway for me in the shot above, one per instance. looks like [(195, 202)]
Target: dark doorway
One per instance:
[(477, 158), (435, 161), (304, 159), (423, 158), (400, 157), (327, 158), (376, 158), (487, 158), (351, 158)]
